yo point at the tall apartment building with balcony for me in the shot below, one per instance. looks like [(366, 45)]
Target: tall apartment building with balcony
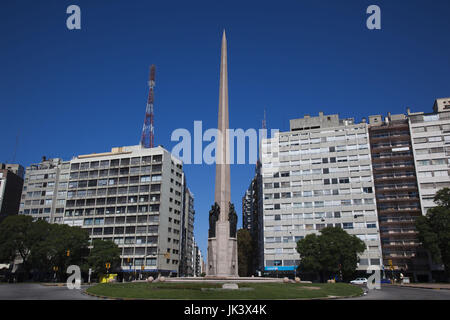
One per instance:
[(252, 219), (131, 195), (198, 260), (397, 194), (45, 190), (431, 145), (247, 201), (187, 237), (318, 174)]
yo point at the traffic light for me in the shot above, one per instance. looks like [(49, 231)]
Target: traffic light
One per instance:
[(68, 253), (108, 265), (391, 267)]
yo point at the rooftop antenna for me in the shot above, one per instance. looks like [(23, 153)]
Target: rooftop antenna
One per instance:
[(264, 120), (263, 126), (148, 130)]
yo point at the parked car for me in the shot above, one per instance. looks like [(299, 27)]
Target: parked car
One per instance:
[(359, 281)]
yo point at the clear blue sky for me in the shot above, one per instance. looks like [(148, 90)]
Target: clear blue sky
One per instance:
[(75, 92)]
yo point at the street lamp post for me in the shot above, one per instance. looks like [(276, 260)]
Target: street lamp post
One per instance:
[(130, 266)]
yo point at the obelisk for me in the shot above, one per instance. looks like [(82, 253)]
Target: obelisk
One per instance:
[(222, 242)]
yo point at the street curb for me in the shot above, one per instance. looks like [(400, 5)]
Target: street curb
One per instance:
[(109, 298), (53, 284), (96, 296), (56, 284), (114, 298), (417, 287)]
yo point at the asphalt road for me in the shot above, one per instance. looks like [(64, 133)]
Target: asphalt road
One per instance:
[(35, 291), (404, 293)]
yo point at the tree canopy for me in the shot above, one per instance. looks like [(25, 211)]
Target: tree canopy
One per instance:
[(17, 238), (434, 229), (331, 252), (41, 245), (245, 254), (102, 252)]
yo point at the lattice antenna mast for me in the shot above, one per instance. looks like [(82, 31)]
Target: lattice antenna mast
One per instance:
[(148, 130), (263, 126), (264, 120)]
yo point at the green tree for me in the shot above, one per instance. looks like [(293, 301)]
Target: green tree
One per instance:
[(42, 245), (434, 229), (102, 252), (245, 252), (40, 231), (332, 252), (18, 235), (64, 246), (442, 198), (309, 250)]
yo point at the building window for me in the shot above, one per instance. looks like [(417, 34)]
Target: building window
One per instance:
[(375, 262), (348, 225), (367, 190)]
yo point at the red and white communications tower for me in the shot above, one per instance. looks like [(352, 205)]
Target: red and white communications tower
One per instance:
[(148, 130)]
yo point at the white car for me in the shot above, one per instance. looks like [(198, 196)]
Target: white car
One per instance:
[(359, 281)]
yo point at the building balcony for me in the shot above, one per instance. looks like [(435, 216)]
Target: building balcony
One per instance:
[(389, 167), (386, 227), (412, 197), (399, 213), (391, 156), (397, 125), (395, 255), (401, 176), (375, 138), (386, 147), (399, 233), (398, 246), (394, 187)]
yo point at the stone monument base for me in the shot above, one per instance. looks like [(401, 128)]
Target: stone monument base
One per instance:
[(222, 253), (216, 279)]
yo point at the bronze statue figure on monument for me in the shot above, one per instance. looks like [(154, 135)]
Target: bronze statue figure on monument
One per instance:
[(213, 217)]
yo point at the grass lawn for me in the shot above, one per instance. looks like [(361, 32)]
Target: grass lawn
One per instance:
[(204, 291)]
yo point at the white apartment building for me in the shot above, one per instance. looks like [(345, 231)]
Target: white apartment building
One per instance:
[(131, 195), (318, 174), (430, 134), (45, 190), (198, 260)]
